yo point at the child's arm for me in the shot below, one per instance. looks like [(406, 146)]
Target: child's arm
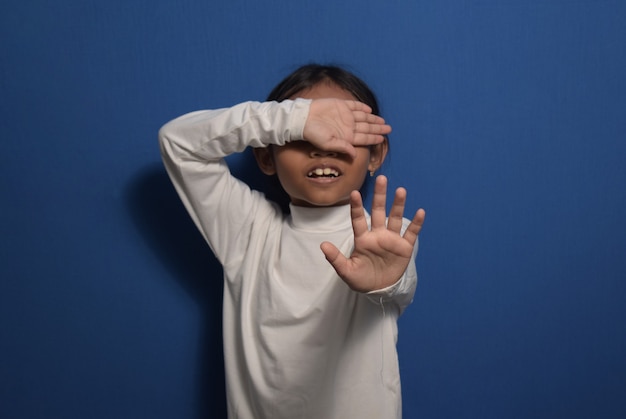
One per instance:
[(193, 147), (381, 254)]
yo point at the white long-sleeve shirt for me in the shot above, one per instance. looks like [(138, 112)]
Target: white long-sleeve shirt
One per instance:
[(298, 342)]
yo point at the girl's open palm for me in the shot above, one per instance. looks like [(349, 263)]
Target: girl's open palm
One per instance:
[(381, 254)]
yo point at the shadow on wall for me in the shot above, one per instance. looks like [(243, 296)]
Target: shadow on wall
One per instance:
[(168, 230)]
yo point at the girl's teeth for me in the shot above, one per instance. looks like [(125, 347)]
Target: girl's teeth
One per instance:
[(323, 172)]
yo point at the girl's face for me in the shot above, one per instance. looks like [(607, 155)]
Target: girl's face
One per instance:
[(316, 178)]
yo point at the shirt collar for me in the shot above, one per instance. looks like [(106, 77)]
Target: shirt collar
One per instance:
[(320, 219)]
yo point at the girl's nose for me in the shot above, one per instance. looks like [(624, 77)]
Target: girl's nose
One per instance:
[(323, 153)]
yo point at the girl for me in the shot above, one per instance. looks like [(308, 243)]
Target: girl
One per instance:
[(312, 297)]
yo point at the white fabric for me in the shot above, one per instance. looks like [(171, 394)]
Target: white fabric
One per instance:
[(298, 343)]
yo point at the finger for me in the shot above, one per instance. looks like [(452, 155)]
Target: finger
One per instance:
[(367, 139), (379, 202), (354, 105), (370, 118), (415, 227), (369, 128), (357, 214), (332, 254), (371, 123), (394, 223)]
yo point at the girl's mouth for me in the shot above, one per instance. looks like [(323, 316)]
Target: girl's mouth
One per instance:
[(325, 172)]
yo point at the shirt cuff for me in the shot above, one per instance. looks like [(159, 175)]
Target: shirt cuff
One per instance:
[(299, 115), (389, 292)]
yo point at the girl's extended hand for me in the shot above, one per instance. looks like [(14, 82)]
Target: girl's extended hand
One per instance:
[(382, 254), (340, 125)]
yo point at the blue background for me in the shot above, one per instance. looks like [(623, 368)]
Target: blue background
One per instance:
[(509, 129)]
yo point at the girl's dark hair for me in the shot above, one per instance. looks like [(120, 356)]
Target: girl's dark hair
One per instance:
[(309, 75)]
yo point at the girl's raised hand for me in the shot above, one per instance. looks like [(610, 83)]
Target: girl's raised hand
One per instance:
[(381, 254), (340, 125)]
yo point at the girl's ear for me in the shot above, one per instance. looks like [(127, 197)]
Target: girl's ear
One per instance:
[(265, 159), (378, 153)]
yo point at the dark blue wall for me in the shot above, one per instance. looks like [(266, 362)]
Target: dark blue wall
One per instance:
[(509, 128)]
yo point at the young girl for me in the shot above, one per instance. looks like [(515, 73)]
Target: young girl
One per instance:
[(312, 297)]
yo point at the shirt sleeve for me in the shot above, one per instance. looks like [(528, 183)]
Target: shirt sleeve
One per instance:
[(193, 148)]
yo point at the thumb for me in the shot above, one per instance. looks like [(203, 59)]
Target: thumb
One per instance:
[(334, 257)]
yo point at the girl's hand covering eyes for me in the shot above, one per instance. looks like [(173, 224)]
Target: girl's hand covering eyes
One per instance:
[(340, 125)]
